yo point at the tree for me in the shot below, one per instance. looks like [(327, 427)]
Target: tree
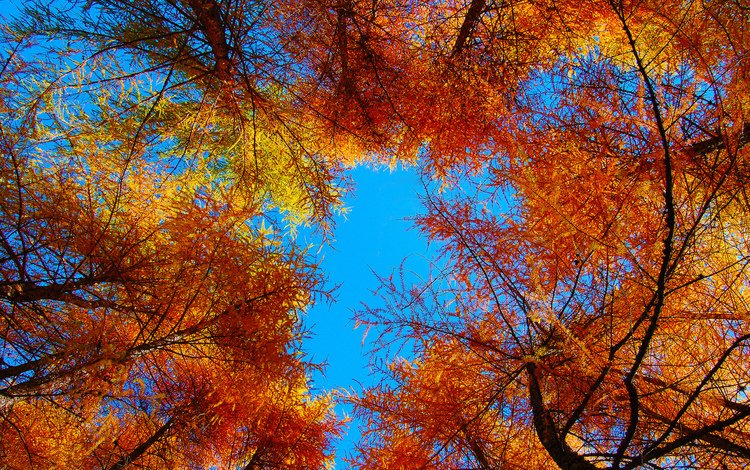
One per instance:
[(592, 210), (150, 298), (592, 311), (220, 84)]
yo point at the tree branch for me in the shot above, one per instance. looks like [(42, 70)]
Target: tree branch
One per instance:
[(476, 8), (668, 241), (719, 142), (208, 16), (545, 427), (138, 452)]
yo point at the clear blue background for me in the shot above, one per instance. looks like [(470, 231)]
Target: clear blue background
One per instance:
[(373, 237)]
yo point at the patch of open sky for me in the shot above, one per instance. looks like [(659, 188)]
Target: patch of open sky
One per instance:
[(374, 240), (374, 237)]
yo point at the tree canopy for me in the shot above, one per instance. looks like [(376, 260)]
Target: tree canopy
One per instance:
[(591, 309), (585, 172)]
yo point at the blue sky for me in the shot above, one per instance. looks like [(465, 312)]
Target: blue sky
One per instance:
[(373, 237)]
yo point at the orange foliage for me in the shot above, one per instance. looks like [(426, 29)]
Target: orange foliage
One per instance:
[(592, 212), (594, 297), (149, 314)]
